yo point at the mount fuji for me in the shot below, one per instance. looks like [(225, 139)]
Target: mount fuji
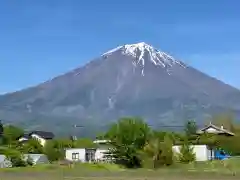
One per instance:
[(130, 80)]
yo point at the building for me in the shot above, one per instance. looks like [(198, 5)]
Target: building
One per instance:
[(98, 154), (202, 152), (24, 138), (4, 162), (36, 158), (41, 136), (213, 129), (80, 154)]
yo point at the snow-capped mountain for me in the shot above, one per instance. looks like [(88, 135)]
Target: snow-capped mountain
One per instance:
[(130, 80), (142, 52)]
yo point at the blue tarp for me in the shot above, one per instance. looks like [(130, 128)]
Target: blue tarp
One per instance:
[(221, 155)]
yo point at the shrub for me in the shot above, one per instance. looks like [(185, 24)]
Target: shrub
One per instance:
[(159, 152), (186, 154), (53, 151), (29, 161), (166, 157), (16, 158)]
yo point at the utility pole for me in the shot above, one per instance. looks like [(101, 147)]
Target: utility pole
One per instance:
[(74, 135)]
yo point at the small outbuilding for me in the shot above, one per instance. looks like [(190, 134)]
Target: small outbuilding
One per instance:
[(4, 162), (36, 158), (84, 154), (202, 152)]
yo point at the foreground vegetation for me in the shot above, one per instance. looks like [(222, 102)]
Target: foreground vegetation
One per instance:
[(133, 145), (211, 170)]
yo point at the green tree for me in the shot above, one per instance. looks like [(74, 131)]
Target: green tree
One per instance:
[(167, 151), (186, 154), (153, 150), (84, 143), (32, 146), (127, 137), (54, 149), (160, 151), (16, 158), (11, 133), (190, 128), (1, 133)]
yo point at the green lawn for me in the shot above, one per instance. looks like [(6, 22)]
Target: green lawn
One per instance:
[(215, 170)]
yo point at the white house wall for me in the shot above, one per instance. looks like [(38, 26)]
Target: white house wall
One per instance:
[(201, 151), (40, 139), (80, 151), (37, 158), (212, 130)]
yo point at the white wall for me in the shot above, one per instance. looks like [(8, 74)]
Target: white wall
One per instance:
[(22, 139), (37, 158), (40, 139), (81, 154), (212, 130), (201, 151)]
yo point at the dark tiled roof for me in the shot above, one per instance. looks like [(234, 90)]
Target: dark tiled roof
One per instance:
[(43, 134), (26, 136)]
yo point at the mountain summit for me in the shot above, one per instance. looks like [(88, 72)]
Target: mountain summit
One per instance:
[(130, 80), (142, 52)]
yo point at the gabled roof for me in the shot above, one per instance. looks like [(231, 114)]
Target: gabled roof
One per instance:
[(25, 136), (43, 134), (220, 129)]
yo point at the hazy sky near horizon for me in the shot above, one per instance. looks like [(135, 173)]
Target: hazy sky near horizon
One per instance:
[(42, 39)]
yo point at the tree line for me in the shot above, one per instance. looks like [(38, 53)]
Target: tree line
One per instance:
[(133, 143)]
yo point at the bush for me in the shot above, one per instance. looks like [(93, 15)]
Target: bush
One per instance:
[(29, 161), (158, 153), (53, 151), (16, 158), (186, 154)]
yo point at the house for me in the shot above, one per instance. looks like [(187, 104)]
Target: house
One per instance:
[(4, 162), (89, 154), (24, 138), (80, 154), (41, 136), (202, 152), (213, 129), (103, 153)]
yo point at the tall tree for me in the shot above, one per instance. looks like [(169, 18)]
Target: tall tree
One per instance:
[(186, 154), (190, 128), (160, 151), (32, 146), (11, 133), (84, 143), (127, 137), (1, 132)]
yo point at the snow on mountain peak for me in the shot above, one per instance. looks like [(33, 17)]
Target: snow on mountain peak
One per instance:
[(142, 51)]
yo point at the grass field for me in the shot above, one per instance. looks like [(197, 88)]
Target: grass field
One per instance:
[(215, 170)]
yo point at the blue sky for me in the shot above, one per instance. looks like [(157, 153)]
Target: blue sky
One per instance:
[(41, 39)]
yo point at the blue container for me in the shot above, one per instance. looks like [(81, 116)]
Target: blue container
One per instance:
[(221, 155)]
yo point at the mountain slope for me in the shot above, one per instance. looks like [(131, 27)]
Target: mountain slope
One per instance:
[(133, 79)]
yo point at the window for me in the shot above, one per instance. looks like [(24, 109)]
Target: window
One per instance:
[(75, 156), (90, 155)]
